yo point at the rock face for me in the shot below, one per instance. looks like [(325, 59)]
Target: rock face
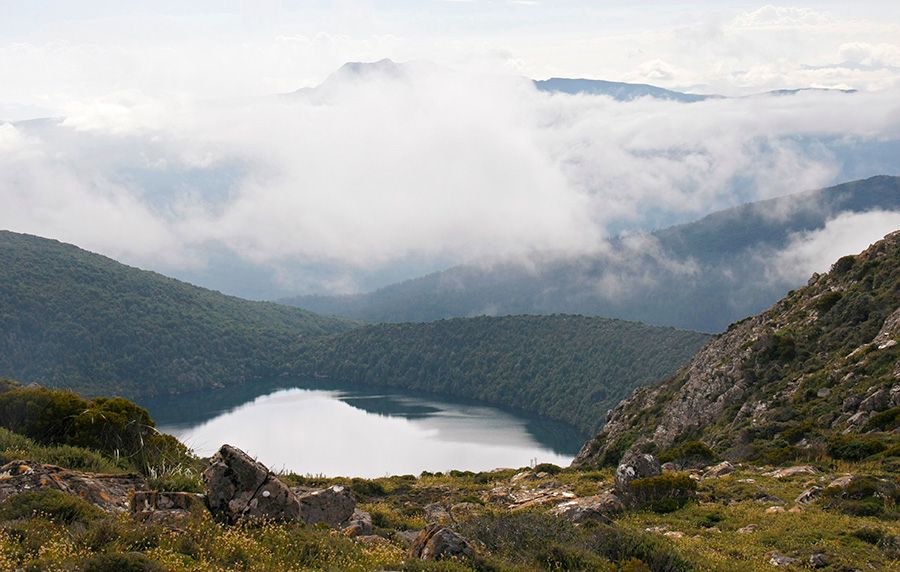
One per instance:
[(359, 524), (238, 487), (743, 378), (635, 466), (108, 492), (439, 543)]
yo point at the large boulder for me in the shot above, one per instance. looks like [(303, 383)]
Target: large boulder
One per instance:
[(597, 508), (108, 492), (633, 466), (439, 543), (332, 506), (238, 487)]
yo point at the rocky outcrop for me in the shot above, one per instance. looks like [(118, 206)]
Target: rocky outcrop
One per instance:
[(749, 375), (108, 492), (439, 543), (239, 487)]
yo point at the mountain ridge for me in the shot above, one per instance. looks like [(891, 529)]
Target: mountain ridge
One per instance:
[(730, 251)]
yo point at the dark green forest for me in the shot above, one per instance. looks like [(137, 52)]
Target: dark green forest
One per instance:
[(81, 321), (70, 318), (569, 368)]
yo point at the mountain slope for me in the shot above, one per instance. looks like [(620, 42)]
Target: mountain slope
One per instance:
[(568, 368), (616, 90), (699, 276), (821, 364), (70, 317)]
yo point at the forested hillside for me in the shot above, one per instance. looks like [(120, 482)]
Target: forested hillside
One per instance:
[(76, 319), (699, 276), (69, 318), (569, 368)]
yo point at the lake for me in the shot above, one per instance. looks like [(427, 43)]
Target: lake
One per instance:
[(324, 429)]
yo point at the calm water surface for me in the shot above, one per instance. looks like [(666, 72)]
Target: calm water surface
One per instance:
[(353, 431)]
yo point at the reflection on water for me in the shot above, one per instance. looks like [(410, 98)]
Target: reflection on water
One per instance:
[(323, 428)]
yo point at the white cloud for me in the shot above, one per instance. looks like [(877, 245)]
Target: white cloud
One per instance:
[(816, 251), (428, 164)]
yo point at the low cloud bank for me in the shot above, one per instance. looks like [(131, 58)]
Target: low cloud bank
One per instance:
[(403, 166)]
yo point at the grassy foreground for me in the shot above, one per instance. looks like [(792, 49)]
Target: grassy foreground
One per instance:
[(54, 531)]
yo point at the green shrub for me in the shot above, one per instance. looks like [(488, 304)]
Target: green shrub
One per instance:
[(116, 426), (548, 468), (853, 448), (843, 264), (827, 301), (562, 557), (50, 503), (620, 544), (663, 493), (884, 421), (121, 562), (688, 453)]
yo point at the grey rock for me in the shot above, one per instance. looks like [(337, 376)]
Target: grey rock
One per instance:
[(597, 508), (439, 543), (851, 403), (877, 401), (238, 487), (718, 470), (809, 495), (818, 560), (782, 561), (435, 512), (359, 524), (791, 472), (633, 466), (331, 506)]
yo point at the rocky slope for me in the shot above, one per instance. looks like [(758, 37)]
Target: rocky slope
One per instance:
[(810, 374)]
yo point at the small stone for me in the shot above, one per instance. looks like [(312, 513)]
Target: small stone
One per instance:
[(719, 470), (795, 509), (674, 534), (791, 472), (818, 560), (809, 495), (782, 561), (657, 529), (823, 392), (775, 510), (748, 529)]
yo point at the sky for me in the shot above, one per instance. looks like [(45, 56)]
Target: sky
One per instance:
[(171, 151), (52, 52)]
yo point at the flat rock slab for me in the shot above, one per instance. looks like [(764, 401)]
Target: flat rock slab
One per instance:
[(108, 492)]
